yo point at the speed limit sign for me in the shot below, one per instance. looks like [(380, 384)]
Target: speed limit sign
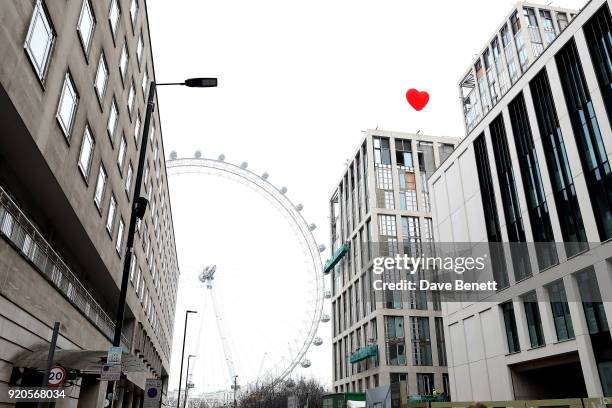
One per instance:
[(57, 375)]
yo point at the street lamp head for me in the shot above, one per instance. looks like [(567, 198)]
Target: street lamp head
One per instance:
[(201, 82), (192, 311)]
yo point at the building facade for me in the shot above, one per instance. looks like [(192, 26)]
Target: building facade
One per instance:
[(74, 79), (534, 168), (381, 206)]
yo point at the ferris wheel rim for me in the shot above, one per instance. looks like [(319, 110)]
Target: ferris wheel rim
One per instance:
[(268, 190)]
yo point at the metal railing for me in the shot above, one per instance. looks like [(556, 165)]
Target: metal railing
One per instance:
[(19, 230)]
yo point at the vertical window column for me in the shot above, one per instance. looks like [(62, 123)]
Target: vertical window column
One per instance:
[(532, 184), (494, 236), (593, 156), (559, 171)]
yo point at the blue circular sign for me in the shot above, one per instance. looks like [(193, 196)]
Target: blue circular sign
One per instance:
[(152, 392)]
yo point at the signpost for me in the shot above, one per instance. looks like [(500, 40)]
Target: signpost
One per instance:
[(110, 372), (57, 375), (153, 392), (114, 356)]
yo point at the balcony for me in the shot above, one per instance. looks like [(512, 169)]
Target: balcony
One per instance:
[(18, 230)]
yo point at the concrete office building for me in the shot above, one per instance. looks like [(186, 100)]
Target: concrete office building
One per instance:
[(534, 167), (381, 206), (74, 76)]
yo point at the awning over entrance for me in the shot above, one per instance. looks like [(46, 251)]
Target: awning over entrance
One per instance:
[(87, 361)]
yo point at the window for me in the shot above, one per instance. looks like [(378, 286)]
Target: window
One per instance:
[(485, 180), (537, 206), (131, 98), (145, 176), (101, 77), (425, 383), (395, 341), (138, 278), (86, 25), (133, 267), (86, 154), (123, 60), (145, 80), (403, 153), (441, 341), (113, 118), (121, 155), (100, 187), (559, 171), (534, 31), (137, 129), (560, 311), (589, 140), (113, 16), (510, 54), (411, 235), (510, 325), (562, 20), (66, 109), (502, 74), (110, 218), (387, 230), (487, 57), (421, 341), (40, 39), (547, 26), (139, 47), (592, 304), (128, 179), (120, 236), (408, 191), (133, 11), (512, 210), (534, 322), (382, 153)]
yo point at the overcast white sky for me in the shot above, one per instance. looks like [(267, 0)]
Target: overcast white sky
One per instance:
[(298, 81)]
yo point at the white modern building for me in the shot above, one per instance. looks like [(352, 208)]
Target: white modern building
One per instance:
[(534, 167), (381, 205)]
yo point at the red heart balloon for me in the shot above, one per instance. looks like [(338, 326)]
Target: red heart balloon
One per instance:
[(417, 99)]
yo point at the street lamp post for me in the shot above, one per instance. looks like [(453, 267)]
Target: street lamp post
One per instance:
[(187, 380), (235, 389), (139, 205), (178, 402)]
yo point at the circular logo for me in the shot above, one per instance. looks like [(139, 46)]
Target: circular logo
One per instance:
[(152, 392), (57, 375)]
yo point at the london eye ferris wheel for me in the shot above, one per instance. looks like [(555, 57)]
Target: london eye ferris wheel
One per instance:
[(277, 363)]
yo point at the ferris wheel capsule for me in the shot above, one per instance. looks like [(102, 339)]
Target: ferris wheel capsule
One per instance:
[(221, 157), (312, 227), (198, 154), (325, 318), (321, 248), (327, 294), (244, 165), (283, 190), (299, 207), (173, 155), (317, 341), (265, 176), (305, 363)]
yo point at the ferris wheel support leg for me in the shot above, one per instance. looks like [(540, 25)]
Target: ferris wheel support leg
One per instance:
[(226, 349)]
